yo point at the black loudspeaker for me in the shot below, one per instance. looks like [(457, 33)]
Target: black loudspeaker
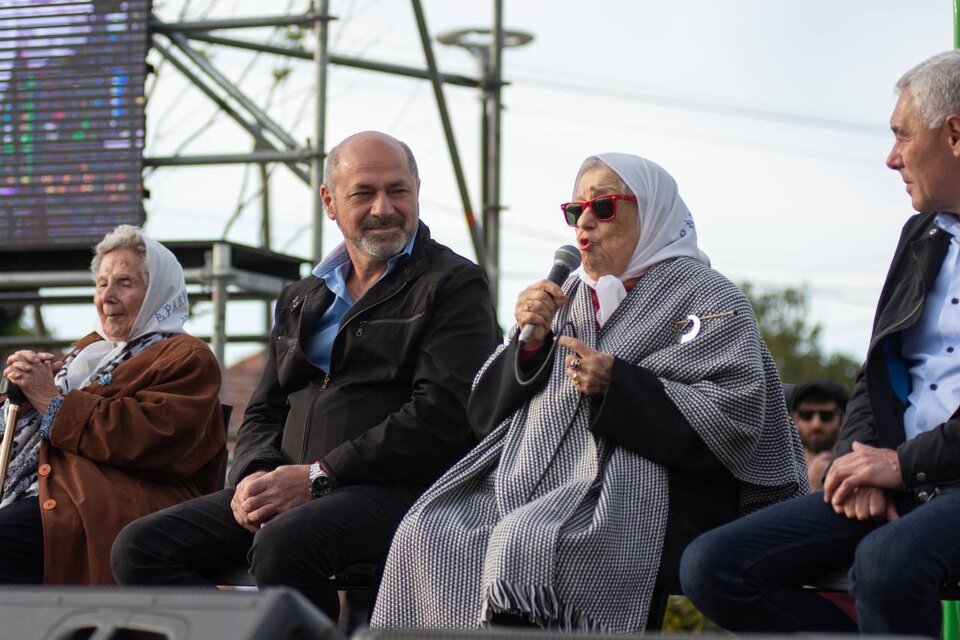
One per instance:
[(519, 633), (115, 613)]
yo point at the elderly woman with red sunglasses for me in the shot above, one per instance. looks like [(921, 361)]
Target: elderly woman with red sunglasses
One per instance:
[(643, 410)]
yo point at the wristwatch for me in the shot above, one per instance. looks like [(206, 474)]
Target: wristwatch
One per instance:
[(320, 483)]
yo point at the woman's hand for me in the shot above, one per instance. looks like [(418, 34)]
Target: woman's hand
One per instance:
[(33, 372), (587, 368), (536, 306)]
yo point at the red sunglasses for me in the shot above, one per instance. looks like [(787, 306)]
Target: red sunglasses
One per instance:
[(604, 208)]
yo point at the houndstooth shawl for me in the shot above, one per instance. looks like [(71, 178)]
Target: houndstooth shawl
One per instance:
[(545, 519)]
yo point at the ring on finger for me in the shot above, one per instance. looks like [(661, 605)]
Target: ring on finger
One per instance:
[(576, 364)]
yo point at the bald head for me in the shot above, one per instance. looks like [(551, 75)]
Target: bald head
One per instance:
[(363, 143)]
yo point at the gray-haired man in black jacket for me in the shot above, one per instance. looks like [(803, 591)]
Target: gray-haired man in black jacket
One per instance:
[(891, 502)]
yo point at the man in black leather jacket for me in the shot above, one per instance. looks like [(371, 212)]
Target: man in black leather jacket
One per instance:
[(890, 504), (362, 402)]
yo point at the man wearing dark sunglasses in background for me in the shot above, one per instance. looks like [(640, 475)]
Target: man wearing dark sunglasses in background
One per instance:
[(817, 412)]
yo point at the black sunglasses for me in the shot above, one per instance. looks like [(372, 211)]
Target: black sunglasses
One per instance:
[(826, 415), (604, 208)]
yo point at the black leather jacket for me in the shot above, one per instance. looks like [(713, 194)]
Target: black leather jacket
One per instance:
[(393, 406), (875, 412)]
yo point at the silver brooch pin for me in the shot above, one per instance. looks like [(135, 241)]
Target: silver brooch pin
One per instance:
[(692, 329), (690, 326)]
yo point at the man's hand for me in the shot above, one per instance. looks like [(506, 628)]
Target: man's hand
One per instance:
[(869, 503), (864, 467), (269, 494), (239, 495)]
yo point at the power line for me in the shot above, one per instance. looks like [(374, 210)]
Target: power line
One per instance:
[(711, 106)]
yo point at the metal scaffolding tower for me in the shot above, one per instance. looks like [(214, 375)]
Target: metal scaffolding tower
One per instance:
[(175, 41)]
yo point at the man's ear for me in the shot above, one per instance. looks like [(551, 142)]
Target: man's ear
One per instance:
[(327, 197), (952, 124)]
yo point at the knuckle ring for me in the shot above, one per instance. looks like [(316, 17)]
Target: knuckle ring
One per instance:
[(576, 364)]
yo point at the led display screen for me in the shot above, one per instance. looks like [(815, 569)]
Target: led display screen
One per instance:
[(71, 119)]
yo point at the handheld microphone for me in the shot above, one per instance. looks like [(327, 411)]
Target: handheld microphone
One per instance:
[(565, 260)]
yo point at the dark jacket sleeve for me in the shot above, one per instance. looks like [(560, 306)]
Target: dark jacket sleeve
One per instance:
[(499, 392), (637, 414), (429, 432), (932, 458), (929, 460), (260, 435), (858, 421)]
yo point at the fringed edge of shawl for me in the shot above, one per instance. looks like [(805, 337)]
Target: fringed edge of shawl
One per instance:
[(540, 605)]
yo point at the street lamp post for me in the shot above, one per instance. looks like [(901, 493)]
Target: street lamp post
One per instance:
[(486, 46)]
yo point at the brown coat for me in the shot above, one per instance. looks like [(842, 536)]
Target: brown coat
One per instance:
[(152, 437)]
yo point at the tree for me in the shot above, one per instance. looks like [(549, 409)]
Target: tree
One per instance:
[(795, 343), (10, 321), (10, 325)]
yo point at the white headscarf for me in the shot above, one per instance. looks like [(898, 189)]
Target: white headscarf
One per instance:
[(666, 227), (164, 310)]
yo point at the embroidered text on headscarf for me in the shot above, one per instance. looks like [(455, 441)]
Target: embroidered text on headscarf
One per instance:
[(164, 310)]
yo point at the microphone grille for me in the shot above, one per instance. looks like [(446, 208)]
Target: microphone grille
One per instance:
[(568, 255)]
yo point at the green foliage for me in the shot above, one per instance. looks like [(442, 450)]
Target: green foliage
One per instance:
[(793, 341), (681, 615), (294, 36), (10, 324)]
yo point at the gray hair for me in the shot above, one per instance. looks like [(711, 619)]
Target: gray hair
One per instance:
[(331, 168), (934, 85), (123, 237), (593, 162)]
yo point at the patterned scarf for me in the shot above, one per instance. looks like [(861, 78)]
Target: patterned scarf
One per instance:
[(22, 478), (546, 520)]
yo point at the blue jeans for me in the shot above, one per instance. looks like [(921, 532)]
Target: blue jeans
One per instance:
[(748, 575)]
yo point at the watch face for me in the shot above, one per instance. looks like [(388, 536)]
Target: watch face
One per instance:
[(320, 485)]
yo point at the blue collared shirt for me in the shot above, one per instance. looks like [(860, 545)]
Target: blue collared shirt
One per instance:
[(334, 271), (932, 346)]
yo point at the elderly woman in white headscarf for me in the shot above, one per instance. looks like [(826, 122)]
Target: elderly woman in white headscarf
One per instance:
[(643, 410), (127, 423)]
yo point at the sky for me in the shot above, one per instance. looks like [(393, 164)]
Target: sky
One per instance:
[(772, 115)]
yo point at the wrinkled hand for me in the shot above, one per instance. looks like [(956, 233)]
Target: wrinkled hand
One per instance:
[(863, 467), (33, 372), (587, 368), (869, 503), (536, 305), (270, 494)]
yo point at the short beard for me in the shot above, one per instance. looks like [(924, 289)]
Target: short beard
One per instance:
[(380, 246), (818, 445)]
